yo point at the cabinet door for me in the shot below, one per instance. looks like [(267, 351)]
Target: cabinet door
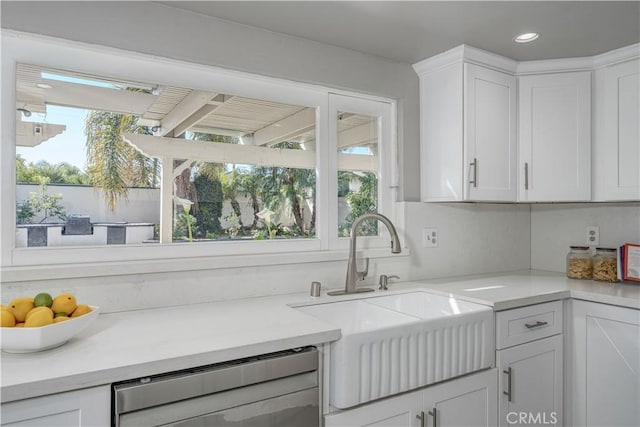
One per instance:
[(605, 381), (531, 383), (88, 407), (467, 401), (489, 135), (398, 411), (616, 144), (555, 137)]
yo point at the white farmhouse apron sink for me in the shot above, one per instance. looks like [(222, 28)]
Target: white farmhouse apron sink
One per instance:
[(391, 344)]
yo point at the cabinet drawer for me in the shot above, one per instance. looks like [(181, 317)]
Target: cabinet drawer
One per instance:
[(526, 324)]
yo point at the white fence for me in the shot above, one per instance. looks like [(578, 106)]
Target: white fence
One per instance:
[(142, 204)]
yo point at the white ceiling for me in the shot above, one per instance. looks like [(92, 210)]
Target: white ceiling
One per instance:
[(411, 31)]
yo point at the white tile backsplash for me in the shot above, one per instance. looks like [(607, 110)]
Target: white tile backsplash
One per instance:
[(554, 227)]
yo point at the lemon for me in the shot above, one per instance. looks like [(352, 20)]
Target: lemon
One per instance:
[(8, 320), (19, 307), (43, 300), (80, 310), (39, 318), (64, 303), (20, 325), (59, 319), (36, 310)]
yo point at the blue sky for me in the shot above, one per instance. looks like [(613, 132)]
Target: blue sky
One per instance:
[(68, 146)]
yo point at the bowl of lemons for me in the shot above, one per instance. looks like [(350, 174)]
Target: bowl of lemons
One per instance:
[(42, 322)]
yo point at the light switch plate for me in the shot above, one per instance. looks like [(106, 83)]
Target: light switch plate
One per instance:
[(430, 238)]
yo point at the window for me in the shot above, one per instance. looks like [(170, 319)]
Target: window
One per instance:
[(161, 159)]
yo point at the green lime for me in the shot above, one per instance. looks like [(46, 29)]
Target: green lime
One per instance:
[(43, 300), (61, 314)]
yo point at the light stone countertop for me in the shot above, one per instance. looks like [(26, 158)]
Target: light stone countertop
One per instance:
[(121, 346), (516, 289)]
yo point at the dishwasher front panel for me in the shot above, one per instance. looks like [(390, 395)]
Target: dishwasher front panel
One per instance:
[(292, 410), (289, 392), (277, 389)]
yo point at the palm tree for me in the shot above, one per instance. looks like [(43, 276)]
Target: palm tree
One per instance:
[(112, 164)]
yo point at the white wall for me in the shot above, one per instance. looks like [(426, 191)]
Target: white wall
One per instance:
[(555, 227), (141, 205)]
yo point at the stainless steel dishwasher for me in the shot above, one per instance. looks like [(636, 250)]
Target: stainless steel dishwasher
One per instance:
[(276, 389)]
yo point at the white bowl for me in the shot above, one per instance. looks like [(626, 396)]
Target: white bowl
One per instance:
[(27, 340)]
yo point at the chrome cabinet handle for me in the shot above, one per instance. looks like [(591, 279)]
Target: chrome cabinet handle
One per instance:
[(475, 173), (421, 418), (433, 413), (508, 392), (526, 176), (535, 325)]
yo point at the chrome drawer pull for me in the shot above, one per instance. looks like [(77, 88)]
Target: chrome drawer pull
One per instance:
[(535, 325), (421, 418), (434, 414), (508, 392), (475, 173)]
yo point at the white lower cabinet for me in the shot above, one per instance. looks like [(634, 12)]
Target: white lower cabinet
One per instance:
[(605, 378), (466, 401), (530, 385), (87, 407)]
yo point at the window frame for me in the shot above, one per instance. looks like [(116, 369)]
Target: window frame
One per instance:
[(55, 53)]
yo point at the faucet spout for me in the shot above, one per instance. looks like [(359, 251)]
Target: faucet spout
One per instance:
[(352, 269)]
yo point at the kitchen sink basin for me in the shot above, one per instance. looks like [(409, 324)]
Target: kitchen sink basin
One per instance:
[(358, 317), (427, 306), (394, 343)]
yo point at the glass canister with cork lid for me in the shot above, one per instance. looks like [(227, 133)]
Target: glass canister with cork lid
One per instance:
[(605, 265), (579, 263)]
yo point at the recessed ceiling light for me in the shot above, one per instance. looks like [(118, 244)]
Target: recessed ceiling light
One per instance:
[(526, 37), (44, 86)]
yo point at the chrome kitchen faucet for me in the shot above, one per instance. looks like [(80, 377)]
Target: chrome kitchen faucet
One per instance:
[(353, 274)]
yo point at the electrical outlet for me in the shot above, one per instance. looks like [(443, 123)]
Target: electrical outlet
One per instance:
[(593, 236), (430, 237)]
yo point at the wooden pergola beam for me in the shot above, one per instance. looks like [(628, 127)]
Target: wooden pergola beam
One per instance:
[(97, 98), (181, 113), (219, 152), (283, 130)]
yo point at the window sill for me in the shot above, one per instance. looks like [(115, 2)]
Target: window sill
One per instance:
[(120, 268)]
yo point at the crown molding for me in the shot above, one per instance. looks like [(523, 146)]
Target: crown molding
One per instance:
[(466, 53), (617, 56), (554, 65)]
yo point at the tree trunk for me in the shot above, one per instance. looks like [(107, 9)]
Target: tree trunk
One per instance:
[(236, 210), (256, 208), (312, 224), (297, 213), (184, 188)]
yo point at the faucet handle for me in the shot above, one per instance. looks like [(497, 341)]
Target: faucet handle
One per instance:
[(384, 281), (362, 274)]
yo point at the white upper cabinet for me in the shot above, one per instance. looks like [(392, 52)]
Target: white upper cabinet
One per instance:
[(489, 134), (467, 128), (616, 144), (484, 137), (555, 137)]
